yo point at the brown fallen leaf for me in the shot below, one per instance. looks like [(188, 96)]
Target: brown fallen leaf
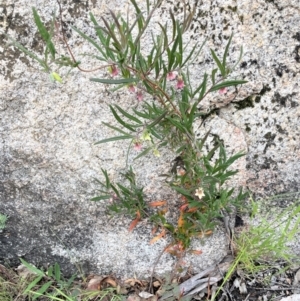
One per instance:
[(154, 229), (99, 283), (156, 284), (196, 252), (94, 284), (205, 233), (135, 221), (157, 203), (181, 220), (193, 209), (158, 237), (133, 282), (108, 281)]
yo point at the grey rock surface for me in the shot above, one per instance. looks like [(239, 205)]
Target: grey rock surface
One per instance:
[(48, 160)]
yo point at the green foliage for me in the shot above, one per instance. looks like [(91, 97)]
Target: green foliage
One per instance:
[(49, 285), (3, 219), (123, 199), (259, 246), (265, 242), (167, 120)]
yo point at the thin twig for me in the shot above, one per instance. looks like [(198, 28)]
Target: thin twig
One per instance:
[(153, 269)]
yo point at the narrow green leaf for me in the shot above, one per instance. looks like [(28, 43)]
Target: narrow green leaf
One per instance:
[(124, 189), (57, 272), (112, 34), (62, 294), (187, 19), (100, 198), (140, 114), (191, 114), (107, 181), (120, 29), (189, 56), (200, 86), (90, 40), (43, 32), (219, 64), (171, 53), (138, 12), (132, 50), (173, 24), (42, 290), (98, 31), (157, 69), (32, 268), (157, 120), (138, 17), (116, 191), (42, 29), (70, 281), (181, 190), (179, 34), (33, 284), (143, 153), (227, 84), (239, 59), (213, 75), (51, 48), (155, 134), (197, 54), (176, 124), (118, 118), (109, 51), (164, 32), (29, 53), (115, 128), (203, 88), (114, 139), (178, 61), (212, 151), (50, 271), (226, 51), (114, 81), (200, 146), (129, 116), (234, 158)]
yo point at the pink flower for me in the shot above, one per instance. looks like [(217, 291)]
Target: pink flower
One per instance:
[(223, 90), (139, 96), (137, 146), (172, 75), (180, 83), (113, 70), (131, 88)]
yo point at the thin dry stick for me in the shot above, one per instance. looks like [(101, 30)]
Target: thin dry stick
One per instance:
[(153, 269)]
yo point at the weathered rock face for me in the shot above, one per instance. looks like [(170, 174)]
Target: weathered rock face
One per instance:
[(48, 160)]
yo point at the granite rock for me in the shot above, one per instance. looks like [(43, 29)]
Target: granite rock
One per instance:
[(48, 159)]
